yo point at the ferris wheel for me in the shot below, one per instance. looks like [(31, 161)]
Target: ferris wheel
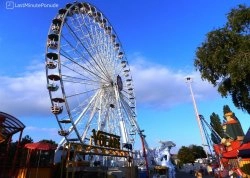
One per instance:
[(88, 76)]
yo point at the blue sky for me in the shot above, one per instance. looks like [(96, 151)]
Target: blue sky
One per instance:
[(159, 38)]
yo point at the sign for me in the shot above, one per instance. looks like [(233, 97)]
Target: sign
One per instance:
[(104, 139)]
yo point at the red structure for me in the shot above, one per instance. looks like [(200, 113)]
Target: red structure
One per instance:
[(234, 150), (39, 161)]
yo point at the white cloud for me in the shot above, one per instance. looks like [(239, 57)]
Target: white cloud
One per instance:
[(159, 87), (25, 95), (156, 87)]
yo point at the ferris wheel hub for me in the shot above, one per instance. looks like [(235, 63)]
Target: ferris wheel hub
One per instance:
[(119, 83)]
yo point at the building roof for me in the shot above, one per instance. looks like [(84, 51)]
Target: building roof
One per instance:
[(9, 125)]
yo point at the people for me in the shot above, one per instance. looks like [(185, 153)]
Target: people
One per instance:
[(209, 169), (198, 173)]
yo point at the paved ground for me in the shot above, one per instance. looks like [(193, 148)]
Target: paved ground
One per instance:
[(180, 174)]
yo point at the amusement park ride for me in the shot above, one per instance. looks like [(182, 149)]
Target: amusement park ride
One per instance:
[(93, 100), (231, 153), (91, 90)]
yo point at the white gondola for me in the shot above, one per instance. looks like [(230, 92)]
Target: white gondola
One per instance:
[(52, 41), (113, 38), (124, 64), (56, 24), (52, 87), (51, 65), (108, 30), (54, 77), (126, 72), (56, 109), (120, 55), (63, 132), (103, 23), (61, 14), (117, 46)]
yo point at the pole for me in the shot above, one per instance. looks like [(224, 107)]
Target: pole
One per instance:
[(144, 153), (189, 80)]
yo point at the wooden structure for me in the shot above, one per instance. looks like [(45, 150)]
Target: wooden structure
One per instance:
[(9, 125), (73, 167), (39, 161)]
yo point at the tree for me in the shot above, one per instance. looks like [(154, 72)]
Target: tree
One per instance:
[(226, 109), (198, 151), (224, 58), (48, 141), (26, 139), (184, 155), (190, 154), (216, 124)]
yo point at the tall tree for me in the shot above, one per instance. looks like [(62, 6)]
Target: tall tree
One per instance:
[(198, 151), (48, 141), (216, 124), (226, 109), (224, 58), (190, 154), (26, 139), (185, 155)]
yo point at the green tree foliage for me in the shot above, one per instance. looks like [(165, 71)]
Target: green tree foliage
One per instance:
[(26, 139), (190, 154), (216, 124), (226, 109), (224, 58), (198, 151), (48, 141), (185, 156)]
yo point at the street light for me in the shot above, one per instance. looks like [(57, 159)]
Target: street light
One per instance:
[(189, 81)]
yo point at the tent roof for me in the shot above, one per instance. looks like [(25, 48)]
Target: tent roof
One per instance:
[(40, 146)]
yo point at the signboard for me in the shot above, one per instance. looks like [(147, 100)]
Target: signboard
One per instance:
[(105, 139)]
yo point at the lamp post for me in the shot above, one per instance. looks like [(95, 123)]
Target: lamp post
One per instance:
[(189, 81)]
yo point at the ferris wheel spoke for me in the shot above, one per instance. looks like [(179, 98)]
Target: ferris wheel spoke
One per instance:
[(98, 37), (88, 50), (68, 96), (81, 116), (80, 55), (82, 75), (79, 80), (84, 68), (128, 107)]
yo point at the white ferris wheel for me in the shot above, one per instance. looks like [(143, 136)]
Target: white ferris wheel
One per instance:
[(88, 76)]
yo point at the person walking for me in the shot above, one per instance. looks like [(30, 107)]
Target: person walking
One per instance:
[(198, 174)]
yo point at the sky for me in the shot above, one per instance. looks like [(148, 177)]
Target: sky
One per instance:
[(159, 37)]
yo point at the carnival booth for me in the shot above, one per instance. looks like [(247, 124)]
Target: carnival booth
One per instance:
[(39, 160)]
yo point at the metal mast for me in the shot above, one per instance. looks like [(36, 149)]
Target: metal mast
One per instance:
[(189, 81)]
